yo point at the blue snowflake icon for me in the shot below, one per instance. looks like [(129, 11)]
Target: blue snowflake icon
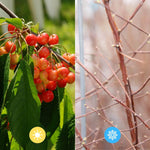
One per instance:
[(112, 135)]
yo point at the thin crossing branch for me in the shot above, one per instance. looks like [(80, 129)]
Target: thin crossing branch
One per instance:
[(132, 123)]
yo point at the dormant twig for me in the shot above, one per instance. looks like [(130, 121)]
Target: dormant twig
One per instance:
[(145, 83), (129, 22), (134, 13), (116, 34), (80, 137), (112, 96)]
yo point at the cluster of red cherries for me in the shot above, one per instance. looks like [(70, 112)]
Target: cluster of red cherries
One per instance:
[(49, 73)]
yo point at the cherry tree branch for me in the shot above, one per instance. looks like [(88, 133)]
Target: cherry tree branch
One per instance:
[(126, 82), (144, 84), (8, 11), (134, 13), (112, 96), (80, 137), (13, 15)]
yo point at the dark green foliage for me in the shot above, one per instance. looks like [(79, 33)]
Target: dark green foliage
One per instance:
[(66, 139), (4, 141), (68, 108), (23, 104), (15, 21), (4, 76), (34, 146), (50, 116)]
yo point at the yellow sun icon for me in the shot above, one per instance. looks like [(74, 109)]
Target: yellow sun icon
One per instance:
[(37, 135)]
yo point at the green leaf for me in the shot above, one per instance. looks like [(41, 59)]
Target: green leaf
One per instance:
[(4, 76), (53, 139), (17, 22), (50, 117), (68, 108), (28, 51), (30, 62), (66, 140), (34, 146), (60, 92), (2, 20), (14, 145), (4, 140), (35, 28), (23, 104)]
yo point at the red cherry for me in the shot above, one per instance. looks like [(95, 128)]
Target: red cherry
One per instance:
[(31, 39), (43, 38), (66, 57), (43, 75), (3, 51), (51, 60), (72, 59), (8, 127), (44, 52), (62, 72), (52, 75), (58, 65), (37, 81), (40, 97), (49, 67), (40, 87), (43, 64), (12, 67), (62, 83), (36, 72), (11, 29), (47, 96), (45, 83), (14, 58), (53, 39), (51, 85), (10, 46), (35, 59), (70, 78)]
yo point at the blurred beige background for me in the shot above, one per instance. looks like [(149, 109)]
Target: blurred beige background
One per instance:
[(97, 33)]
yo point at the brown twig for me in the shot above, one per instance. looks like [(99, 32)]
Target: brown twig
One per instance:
[(62, 59), (144, 141), (80, 137), (116, 34), (112, 96), (110, 123), (144, 84), (134, 13), (129, 22), (118, 70)]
